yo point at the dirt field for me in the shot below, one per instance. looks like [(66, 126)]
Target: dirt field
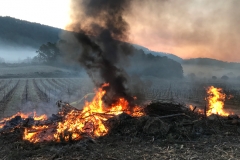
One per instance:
[(133, 138), (112, 148)]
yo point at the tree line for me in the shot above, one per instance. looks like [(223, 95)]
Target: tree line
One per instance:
[(141, 64)]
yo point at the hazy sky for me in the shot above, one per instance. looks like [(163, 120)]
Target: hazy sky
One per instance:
[(186, 28)]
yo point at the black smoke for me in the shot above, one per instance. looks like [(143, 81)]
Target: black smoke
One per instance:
[(101, 30)]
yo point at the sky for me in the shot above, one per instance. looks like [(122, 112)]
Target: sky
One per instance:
[(186, 28), (49, 12)]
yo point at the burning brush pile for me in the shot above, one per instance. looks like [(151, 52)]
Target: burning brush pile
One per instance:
[(159, 120), (70, 123)]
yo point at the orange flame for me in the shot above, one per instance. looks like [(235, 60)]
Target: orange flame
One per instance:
[(200, 111), (38, 134), (39, 118), (23, 116), (216, 99), (191, 107), (91, 120)]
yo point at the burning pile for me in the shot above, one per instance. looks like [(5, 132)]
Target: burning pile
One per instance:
[(98, 119), (91, 119), (7, 122), (71, 123), (215, 102)]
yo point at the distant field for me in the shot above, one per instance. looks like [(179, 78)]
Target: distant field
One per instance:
[(29, 69), (40, 94), (209, 71), (29, 88), (34, 71)]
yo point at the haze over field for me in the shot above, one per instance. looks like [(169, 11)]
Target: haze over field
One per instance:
[(16, 53)]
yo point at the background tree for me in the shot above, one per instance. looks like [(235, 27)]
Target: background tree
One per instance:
[(49, 53), (214, 77), (224, 77)]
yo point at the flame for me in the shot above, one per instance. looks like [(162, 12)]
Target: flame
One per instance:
[(198, 110), (39, 118), (91, 119), (215, 100), (23, 116), (38, 134), (28, 134), (2, 125), (191, 107)]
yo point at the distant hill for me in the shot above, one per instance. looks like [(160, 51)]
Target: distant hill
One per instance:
[(23, 33), (211, 62), (169, 55)]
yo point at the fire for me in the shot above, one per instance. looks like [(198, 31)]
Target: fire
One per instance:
[(75, 124), (200, 111), (91, 119), (34, 136), (23, 116), (215, 100), (39, 118)]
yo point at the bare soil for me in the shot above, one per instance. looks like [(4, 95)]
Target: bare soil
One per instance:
[(124, 147), (167, 132)]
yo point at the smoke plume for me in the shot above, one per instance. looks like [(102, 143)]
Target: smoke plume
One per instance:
[(100, 30), (189, 29)]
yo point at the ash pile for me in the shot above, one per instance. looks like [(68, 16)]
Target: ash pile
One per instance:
[(161, 121)]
